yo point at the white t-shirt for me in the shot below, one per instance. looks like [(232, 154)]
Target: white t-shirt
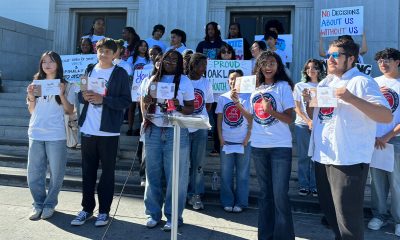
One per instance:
[(267, 131), (152, 42), (125, 65), (47, 120), (203, 94), (392, 97), (139, 63), (179, 49), (94, 38), (93, 115), (344, 135), (234, 124), (185, 93), (297, 95)]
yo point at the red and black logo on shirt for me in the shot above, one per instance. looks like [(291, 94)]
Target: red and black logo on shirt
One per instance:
[(393, 99), (232, 115), (325, 113), (259, 115), (198, 101)]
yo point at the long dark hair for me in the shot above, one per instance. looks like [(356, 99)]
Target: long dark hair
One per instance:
[(216, 30), (195, 60), (59, 72), (82, 40), (160, 73), (318, 64), (94, 22), (136, 51), (280, 74), (229, 48), (134, 40), (238, 26)]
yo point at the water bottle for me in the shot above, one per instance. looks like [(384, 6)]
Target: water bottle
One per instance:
[(215, 182)]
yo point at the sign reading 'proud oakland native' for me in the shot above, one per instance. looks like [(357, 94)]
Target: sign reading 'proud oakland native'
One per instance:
[(218, 72), (342, 21)]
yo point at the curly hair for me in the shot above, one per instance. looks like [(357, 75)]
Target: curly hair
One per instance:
[(280, 74), (388, 53)]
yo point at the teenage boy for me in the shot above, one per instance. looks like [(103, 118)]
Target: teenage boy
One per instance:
[(343, 140), (270, 38), (178, 40), (155, 40), (383, 181), (100, 123)]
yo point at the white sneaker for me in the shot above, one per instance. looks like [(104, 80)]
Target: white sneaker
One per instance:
[(397, 230), (237, 209), (197, 203), (376, 224), (35, 214), (47, 213), (143, 183), (228, 209), (151, 223), (167, 227)]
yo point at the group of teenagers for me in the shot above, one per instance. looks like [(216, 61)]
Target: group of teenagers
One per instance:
[(334, 145)]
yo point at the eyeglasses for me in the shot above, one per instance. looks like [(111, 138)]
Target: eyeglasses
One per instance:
[(269, 64), (335, 55), (384, 61), (226, 52), (171, 61)]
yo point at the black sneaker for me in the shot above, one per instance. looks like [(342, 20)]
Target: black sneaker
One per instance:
[(81, 218), (314, 193), (304, 192)]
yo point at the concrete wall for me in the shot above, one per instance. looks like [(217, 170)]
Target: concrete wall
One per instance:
[(32, 12), (21, 46)]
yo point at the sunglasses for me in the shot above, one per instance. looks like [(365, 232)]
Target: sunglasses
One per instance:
[(226, 52), (335, 55)]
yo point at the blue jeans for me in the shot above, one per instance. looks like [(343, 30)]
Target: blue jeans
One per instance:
[(39, 153), (229, 196), (273, 167), (159, 148), (381, 183), (305, 166), (198, 145)]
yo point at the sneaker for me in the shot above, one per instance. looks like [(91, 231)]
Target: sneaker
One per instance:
[(376, 224), (143, 183), (314, 193), (47, 213), (237, 209), (397, 230), (214, 153), (228, 209), (35, 214), (151, 223), (102, 220), (197, 203), (167, 227), (304, 192), (81, 218)]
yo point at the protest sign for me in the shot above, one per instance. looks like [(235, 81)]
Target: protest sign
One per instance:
[(245, 84), (364, 68), (284, 43), (74, 66), (47, 87), (342, 21), (138, 77), (237, 45), (218, 72)]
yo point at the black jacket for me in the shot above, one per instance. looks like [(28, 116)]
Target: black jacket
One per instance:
[(117, 98)]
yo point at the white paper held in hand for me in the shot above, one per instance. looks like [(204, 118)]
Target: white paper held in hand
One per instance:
[(233, 148), (383, 158), (323, 97), (48, 87), (245, 84), (97, 85)]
